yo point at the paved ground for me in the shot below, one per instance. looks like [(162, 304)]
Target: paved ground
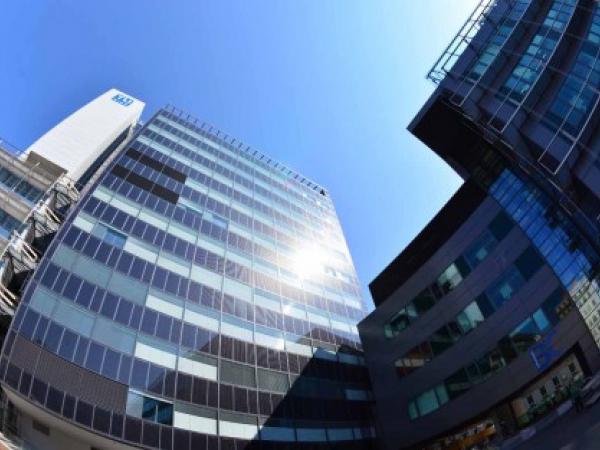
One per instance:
[(573, 431)]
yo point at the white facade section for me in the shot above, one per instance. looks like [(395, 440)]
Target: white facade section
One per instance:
[(76, 142)]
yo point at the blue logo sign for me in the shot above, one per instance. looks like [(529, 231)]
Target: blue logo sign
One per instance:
[(543, 353), (122, 100)]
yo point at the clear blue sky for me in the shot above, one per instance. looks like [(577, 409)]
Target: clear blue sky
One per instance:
[(327, 87)]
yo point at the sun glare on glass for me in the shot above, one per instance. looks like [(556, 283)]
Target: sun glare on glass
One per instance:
[(308, 261)]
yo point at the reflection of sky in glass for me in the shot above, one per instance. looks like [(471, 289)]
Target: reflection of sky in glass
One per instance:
[(7, 224), (555, 238), (565, 250), (541, 320)]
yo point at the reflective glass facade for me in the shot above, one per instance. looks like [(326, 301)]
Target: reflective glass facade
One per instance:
[(579, 91), (555, 236), (210, 294), (451, 277), (24, 189), (571, 258), (542, 46), (532, 330), (498, 39), (515, 113), (504, 288)]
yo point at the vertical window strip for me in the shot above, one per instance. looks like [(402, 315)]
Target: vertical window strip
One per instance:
[(497, 40), (543, 44), (578, 93)]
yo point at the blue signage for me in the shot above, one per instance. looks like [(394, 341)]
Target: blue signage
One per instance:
[(543, 353), (122, 100)]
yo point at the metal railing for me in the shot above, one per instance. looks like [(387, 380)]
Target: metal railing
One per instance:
[(10, 148), (20, 255), (219, 137), (461, 41)]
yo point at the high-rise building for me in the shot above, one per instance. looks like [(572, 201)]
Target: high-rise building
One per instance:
[(39, 185), (31, 199), (465, 346), (63, 156), (199, 295), (473, 329)]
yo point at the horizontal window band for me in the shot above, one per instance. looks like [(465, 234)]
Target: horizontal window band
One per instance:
[(223, 210), (173, 385), (185, 253), (144, 183), (163, 121), (156, 165), (190, 331), (192, 292), (55, 400), (98, 210)]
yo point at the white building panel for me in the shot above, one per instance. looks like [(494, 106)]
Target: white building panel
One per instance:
[(76, 142)]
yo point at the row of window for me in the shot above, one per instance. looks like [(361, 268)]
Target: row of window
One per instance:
[(331, 231), (554, 236), (256, 169), (499, 292), (119, 240), (329, 235), (158, 176), (237, 299), (148, 432), (162, 142), (206, 202), (451, 277), (170, 140), (579, 91), (518, 341), (306, 198), (127, 312), (176, 385), (565, 250), (332, 239), (19, 186), (184, 250), (498, 38), (269, 257), (190, 336)]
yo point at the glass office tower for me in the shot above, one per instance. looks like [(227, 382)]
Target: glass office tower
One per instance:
[(518, 100), (515, 113), (39, 185), (199, 296)]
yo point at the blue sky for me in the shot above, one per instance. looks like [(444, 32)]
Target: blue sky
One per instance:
[(326, 87)]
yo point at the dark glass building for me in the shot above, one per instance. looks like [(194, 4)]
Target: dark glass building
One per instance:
[(493, 310), (199, 296)]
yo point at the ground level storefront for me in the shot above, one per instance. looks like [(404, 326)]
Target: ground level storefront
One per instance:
[(543, 395)]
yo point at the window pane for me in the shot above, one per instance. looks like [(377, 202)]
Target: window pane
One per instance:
[(442, 394), (525, 335), (479, 251), (424, 301), (427, 402), (449, 279), (470, 317), (457, 383), (412, 410), (540, 319), (114, 238)]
